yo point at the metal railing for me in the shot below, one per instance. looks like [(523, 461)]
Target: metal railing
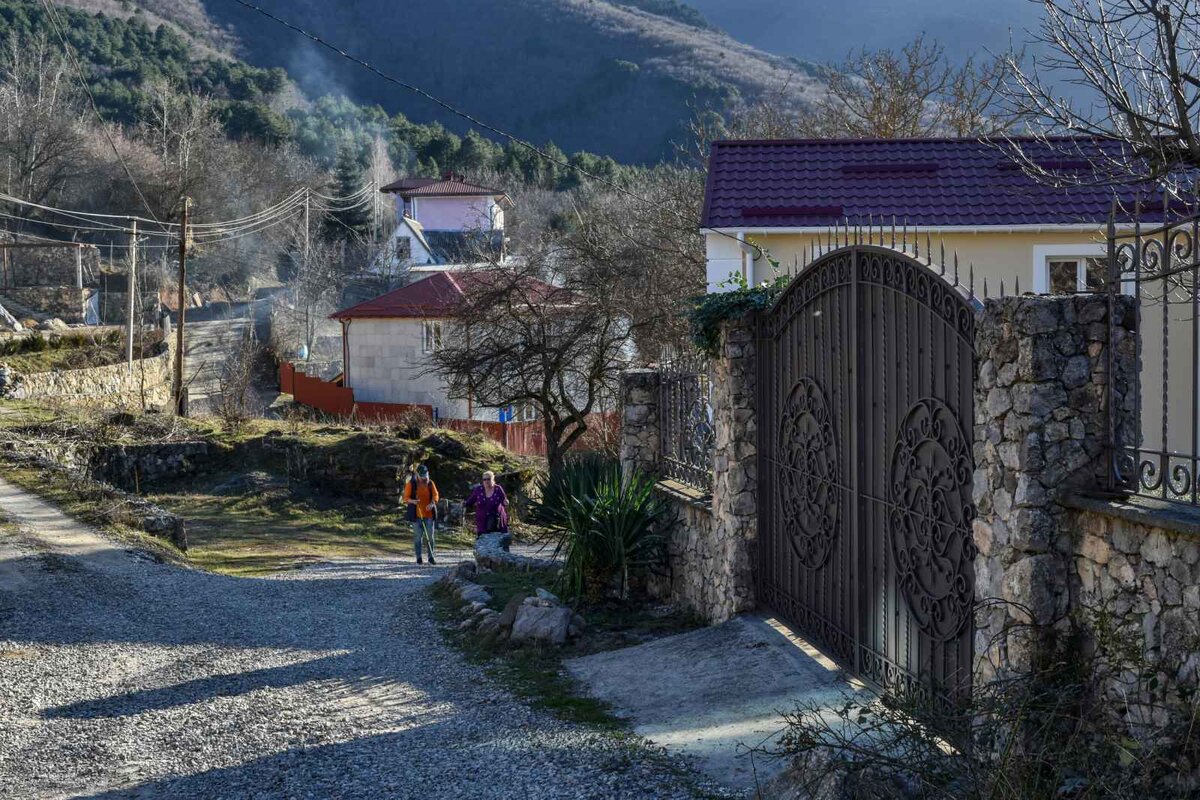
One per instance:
[(1159, 265), (686, 422)]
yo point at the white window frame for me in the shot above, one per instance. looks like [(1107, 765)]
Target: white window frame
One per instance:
[(1043, 254), (431, 336)]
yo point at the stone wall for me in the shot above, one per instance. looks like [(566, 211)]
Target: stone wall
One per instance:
[(48, 266), (711, 546), (1040, 429), (113, 386), (1135, 584), (64, 302)]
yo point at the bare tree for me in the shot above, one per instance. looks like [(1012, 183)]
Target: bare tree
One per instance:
[(646, 256), (41, 137), (532, 332), (1135, 69), (183, 130), (911, 93), (235, 396), (884, 94)]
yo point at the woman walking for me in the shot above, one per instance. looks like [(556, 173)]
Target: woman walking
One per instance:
[(490, 504), (420, 499)]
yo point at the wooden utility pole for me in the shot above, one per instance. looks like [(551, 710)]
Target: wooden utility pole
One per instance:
[(180, 403), (307, 197), (129, 290)]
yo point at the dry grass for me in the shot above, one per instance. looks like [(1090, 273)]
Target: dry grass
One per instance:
[(278, 529)]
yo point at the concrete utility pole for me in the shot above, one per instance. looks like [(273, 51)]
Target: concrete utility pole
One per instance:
[(180, 402), (129, 290)]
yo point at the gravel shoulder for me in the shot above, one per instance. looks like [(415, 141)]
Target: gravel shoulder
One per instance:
[(124, 677)]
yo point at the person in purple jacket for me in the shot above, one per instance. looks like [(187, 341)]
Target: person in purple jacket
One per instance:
[(490, 504)]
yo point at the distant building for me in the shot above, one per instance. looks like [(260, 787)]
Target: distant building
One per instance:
[(444, 222), (387, 343)]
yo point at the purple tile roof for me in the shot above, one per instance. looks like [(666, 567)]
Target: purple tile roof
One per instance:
[(928, 182)]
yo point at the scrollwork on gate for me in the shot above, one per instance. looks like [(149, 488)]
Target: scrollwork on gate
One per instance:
[(929, 518), (808, 460)]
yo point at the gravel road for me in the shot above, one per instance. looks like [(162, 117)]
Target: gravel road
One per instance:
[(122, 677)]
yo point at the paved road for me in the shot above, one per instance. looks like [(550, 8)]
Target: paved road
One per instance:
[(122, 677), (210, 339)]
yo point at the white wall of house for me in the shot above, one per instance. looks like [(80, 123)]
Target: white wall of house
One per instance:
[(455, 213), (387, 363)]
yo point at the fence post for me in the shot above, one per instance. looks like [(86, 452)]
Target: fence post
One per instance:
[(640, 436), (1042, 400)]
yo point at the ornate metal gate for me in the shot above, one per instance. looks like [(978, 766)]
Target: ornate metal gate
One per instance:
[(866, 381)]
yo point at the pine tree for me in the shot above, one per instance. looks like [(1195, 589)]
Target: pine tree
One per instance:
[(350, 220)]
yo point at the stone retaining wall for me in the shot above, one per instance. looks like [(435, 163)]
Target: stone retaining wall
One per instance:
[(1135, 582), (64, 302), (711, 546), (149, 385)]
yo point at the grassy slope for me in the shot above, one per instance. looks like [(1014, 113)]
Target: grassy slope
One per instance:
[(254, 532)]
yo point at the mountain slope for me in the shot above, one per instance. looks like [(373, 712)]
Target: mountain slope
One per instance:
[(587, 74), (825, 31)]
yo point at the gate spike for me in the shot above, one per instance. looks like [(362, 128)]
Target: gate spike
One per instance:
[(893, 231), (985, 287), (956, 268), (971, 288), (1001, 286), (942, 250), (870, 226), (916, 246), (1017, 290), (904, 240), (928, 249)]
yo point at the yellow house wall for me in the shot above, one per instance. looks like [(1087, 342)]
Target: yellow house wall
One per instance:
[(1007, 257), (995, 256)]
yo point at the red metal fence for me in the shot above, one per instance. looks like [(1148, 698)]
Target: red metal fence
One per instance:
[(523, 438)]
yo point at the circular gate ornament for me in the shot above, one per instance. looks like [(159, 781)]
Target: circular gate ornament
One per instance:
[(929, 519), (808, 474)]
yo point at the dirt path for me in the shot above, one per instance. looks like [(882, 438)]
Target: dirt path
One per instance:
[(122, 677)]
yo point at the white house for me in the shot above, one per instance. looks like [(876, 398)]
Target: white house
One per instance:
[(387, 343), (444, 222)]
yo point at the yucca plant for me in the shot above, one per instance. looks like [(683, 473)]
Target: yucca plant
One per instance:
[(609, 526)]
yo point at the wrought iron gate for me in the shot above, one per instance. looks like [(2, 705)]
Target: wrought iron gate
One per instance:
[(866, 381)]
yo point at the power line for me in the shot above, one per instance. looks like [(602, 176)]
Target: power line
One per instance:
[(471, 118), (95, 110)]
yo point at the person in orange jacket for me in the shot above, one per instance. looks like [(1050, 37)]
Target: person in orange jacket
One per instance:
[(420, 499)]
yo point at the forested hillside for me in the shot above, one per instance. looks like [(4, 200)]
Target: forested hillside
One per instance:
[(615, 78)]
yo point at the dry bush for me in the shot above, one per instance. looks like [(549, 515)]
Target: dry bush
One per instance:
[(1060, 730), (236, 402)]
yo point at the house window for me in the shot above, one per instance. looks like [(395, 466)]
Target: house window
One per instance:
[(403, 248), (1072, 275), (431, 339)]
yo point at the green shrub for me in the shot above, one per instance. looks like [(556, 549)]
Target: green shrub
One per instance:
[(609, 527)]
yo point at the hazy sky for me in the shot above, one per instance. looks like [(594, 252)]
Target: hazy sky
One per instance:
[(823, 31)]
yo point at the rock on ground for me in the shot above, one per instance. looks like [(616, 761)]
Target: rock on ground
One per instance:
[(122, 677)]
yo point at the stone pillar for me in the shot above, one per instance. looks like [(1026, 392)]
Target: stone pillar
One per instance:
[(641, 441), (735, 468), (1040, 431)]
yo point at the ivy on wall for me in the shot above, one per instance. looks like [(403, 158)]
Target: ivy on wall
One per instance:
[(710, 310)]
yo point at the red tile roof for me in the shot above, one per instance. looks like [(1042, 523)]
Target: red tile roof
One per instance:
[(429, 298), (928, 182), (449, 186)]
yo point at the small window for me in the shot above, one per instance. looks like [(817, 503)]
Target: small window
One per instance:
[(1095, 271), (1064, 277), (403, 248), (1073, 275), (431, 340)]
